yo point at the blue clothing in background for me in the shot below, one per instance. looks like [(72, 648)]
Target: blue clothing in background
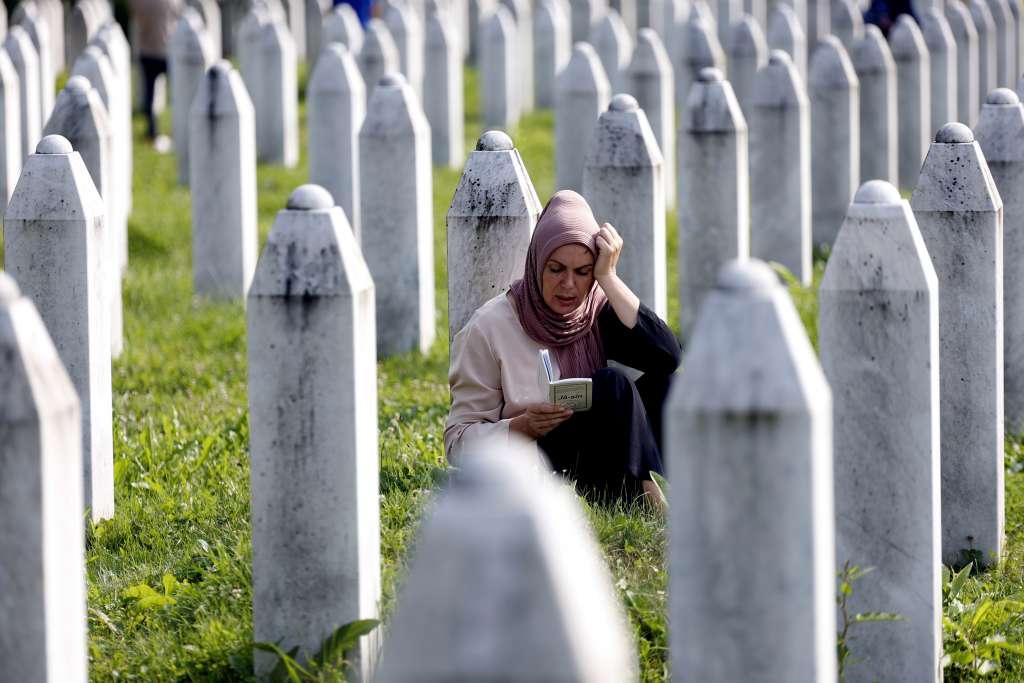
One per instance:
[(362, 8), (883, 13)]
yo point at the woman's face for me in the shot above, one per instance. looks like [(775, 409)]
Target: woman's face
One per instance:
[(567, 278)]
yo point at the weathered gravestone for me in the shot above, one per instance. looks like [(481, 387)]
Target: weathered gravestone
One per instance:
[(835, 137), (310, 321), (749, 452), (698, 48), (780, 168), (714, 191), (878, 331), (276, 108), (550, 50), (378, 56), (960, 213), (336, 108), (913, 83), (649, 79), (395, 205), (942, 58), (407, 31), (847, 22), (583, 93), (748, 52), (341, 25), (509, 534), (42, 546), (985, 26), (490, 223), (19, 48), (498, 75), (56, 249), (1005, 38), (967, 66), (223, 185), (10, 129), (80, 117), (29, 16), (879, 122), (442, 91), (190, 56), (785, 33), (614, 46), (623, 183), (1000, 134)]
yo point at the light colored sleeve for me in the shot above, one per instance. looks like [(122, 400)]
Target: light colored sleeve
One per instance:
[(477, 398)]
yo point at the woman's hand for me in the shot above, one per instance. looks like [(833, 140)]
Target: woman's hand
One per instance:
[(609, 248), (539, 419)]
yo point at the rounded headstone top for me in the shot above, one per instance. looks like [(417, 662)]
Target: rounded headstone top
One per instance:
[(54, 144), (1002, 96), (222, 66), (954, 133), (710, 74), (78, 84), (310, 197), (747, 275), (623, 102), (877, 192), (779, 58), (392, 79), (9, 292), (494, 141)]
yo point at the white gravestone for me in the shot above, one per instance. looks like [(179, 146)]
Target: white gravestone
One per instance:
[(835, 137), (960, 213), (727, 13), (378, 55), (942, 57), (965, 35), (499, 93), (210, 20), (819, 22), (878, 331), (55, 248), (780, 168), (583, 93), (714, 191), (10, 129), (111, 40), (442, 92), (336, 107), (28, 15), (407, 32), (341, 25), (748, 427), (223, 183), (614, 46), (649, 79), (522, 15), (1000, 133), (396, 204), (23, 57), (585, 14), (629, 11), (758, 11), (42, 545), (277, 116), (698, 48), (295, 22), (879, 122), (550, 50), (748, 52), (511, 535), (190, 56), (847, 23), (1006, 44), (490, 223), (913, 83), (315, 10), (623, 183), (312, 353), (985, 26), (785, 33)]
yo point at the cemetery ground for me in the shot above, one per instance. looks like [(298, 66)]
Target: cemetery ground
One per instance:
[(169, 578)]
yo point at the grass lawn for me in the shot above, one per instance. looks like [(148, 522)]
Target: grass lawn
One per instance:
[(169, 592)]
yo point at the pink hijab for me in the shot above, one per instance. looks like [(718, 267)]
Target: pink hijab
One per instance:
[(567, 219)]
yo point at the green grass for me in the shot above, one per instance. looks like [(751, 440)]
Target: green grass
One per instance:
[(181, 465)]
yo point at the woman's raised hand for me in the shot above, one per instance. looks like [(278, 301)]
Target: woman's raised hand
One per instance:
[(609, 248), (539, 419)]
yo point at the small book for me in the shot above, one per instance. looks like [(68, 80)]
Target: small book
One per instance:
[(575, 394)]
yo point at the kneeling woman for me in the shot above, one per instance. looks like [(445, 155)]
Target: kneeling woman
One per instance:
[(571, 302)]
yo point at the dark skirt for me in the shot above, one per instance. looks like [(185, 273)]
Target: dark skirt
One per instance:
[(613, 447)]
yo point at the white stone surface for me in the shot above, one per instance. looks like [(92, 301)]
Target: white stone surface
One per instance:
[(847, 23), (223, 185), (442, 92), (490, 223), (967, 66), (82, 21), (727, 13), (315, 10), (879, 122), (878, 331), (378, 56), (10, 129), (396, 205), (407, 31), (29, 16), (585, 13), (1006, 44), (276, 108), (780, 168), (913, 83), (614, 46), (112, 41), (341, 25), (714, 191), (748, 52), (18, 47), (819, 22), (310, 321), (55, 248), (628, 10), (189, 56), (210, 20), (550, 50), (295, 22), (583, 93), (336, 106), (942, 60), (650, 81), (985, 26), (960, 213), (834, 92), (624, 185), (522, 15), (786, 33), (748, 425), (498, 75), (1000, 134), (698, 48), (509, 534), (42, 545), (53, 11)]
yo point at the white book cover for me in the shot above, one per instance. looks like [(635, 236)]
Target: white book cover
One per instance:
[(575, 394)]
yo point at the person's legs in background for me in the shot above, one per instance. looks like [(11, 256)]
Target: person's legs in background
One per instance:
[(152, 68)]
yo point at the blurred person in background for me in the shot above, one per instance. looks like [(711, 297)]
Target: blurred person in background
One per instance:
[(152, 24)]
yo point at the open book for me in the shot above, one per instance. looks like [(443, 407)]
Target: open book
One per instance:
[(576, 393)]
